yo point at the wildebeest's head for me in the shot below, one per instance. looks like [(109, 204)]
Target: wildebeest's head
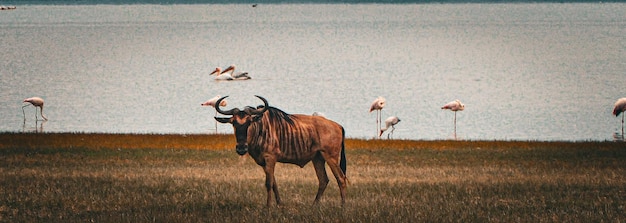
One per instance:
[(241, 120)]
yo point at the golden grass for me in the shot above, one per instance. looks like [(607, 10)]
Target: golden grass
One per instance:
[(174, 178), (117, 141)]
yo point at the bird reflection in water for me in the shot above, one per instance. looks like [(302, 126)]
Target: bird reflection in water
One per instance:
[(38, 128), (617, 137)]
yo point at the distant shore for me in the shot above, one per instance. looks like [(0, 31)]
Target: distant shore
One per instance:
[(257, 3)]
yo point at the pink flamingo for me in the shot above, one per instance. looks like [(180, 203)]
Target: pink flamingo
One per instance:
[(211, 102), (378, 105), (620, 107), (37, 102), (389, 122), (454, 106)]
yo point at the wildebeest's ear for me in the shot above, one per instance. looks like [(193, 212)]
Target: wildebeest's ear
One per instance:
[(222, 120)]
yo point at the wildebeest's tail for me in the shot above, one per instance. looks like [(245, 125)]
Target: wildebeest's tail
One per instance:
[(343, 163)]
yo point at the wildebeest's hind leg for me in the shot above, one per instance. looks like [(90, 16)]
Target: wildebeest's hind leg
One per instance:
[(320, 169), (270, 182), (333, 163)]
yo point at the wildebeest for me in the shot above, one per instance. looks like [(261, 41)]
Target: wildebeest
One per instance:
[(270, 135)]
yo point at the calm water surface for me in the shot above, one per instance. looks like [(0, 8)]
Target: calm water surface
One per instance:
[(524, 71)]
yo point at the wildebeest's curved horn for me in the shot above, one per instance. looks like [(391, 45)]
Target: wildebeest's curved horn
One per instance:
[(217, 107), (265, 106)]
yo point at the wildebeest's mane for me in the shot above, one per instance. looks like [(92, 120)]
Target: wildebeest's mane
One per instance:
[(285, 131), (276, 115)]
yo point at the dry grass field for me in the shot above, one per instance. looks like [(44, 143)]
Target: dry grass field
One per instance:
[(69, 177)]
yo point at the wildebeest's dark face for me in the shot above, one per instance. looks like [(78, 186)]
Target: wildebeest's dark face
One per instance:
[(241, 120)]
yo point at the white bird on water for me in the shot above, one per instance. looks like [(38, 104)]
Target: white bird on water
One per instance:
[(37, 102), (454, 106), (236, 75), (221, 77), (389, 122), (620, 108), (378, 105), (211, 102)]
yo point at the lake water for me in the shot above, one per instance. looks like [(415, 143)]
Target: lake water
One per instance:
[(524, 71)]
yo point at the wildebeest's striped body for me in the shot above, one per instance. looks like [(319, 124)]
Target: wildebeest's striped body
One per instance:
[(272, 136), (292, 138)]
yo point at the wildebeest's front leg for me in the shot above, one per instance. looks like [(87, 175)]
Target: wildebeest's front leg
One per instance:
[(270, 182), (322, 177)]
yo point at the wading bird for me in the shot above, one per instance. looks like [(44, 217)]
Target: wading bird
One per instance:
[(236, 75), (211, 102), (378, 105), (389, 122), (270, 136), (37, 102), (318, 114), (219, 76), (454, 106), (620, 107)]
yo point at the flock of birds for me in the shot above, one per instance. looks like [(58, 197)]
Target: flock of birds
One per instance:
[(378, 104), (10, 7), (227, 74), (455, 106)]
